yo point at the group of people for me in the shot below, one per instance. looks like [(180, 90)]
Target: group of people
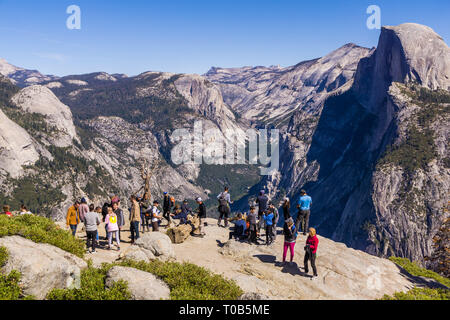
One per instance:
[(7, 210), (142, 215), (267, 216)]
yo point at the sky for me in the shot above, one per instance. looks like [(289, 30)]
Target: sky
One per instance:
[(191, 36)]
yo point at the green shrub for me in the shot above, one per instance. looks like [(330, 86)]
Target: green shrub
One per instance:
[(93, 287), (9, 284), (3, 256), (41, 230), (188, 281), (415, 270), (420, 294)]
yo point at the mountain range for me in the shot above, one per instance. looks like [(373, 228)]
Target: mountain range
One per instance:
[(364, 131)]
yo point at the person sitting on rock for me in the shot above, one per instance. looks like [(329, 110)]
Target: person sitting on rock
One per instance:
[(180, 214), (312, 244), (156, 216), (239, 228)]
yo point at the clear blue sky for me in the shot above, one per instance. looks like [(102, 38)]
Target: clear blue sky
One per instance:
[(190, 36)]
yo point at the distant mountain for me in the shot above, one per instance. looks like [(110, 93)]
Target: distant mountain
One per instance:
[(22, 77)]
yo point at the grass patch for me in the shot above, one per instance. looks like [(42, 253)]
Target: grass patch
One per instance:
[(186, 282), (41, 230), (415, 270), (420, 293)]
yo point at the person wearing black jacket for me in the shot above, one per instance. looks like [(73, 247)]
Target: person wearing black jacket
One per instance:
[(290, 237), (167, 207), (251, 218), (262, 201), (286, 208)]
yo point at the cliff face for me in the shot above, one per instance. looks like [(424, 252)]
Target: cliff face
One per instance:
[(376, 163)]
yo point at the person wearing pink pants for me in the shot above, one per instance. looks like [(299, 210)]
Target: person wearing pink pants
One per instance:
[(290, 237)]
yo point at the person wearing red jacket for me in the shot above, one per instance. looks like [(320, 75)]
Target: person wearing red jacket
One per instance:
[(310, 251)]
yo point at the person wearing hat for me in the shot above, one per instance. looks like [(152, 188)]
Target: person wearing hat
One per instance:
[(167, 207), (304, 206), (290, 237), (201, 212)]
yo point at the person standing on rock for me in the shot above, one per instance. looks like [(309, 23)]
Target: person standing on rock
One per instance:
[(201, 213), (224, 206), (91, 222), (276, 217), (73, 217), (290, 237), (286, 208), (262, 201), (111, 220), (251, 218), (120, 215), (304, 206), (135, 218), (312, 244), (167, 207), (268, 218), (156, 216)]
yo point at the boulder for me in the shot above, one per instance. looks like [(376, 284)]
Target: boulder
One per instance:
[(142, 285), (137, 254), (179, 234), (43, 266), (159, 244)]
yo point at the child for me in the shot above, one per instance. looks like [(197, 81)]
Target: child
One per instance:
[(6, 211), (112, 227), (156, 216)]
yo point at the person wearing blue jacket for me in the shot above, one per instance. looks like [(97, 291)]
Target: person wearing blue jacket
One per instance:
[(304, 209), (268, 218), (239, 228)]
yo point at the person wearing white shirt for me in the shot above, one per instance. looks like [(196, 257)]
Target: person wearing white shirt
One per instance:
[(156, 216)]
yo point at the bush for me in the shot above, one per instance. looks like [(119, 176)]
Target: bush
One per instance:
[(420, 293), (188, 281), (93, 287), (415, 270), (41, 230), (9, 284)]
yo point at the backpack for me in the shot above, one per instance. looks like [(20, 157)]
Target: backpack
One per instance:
[(222, 200), (172, 200)]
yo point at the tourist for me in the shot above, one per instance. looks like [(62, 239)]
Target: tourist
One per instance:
[(312, 244), (224, 206), (268, 219), (111, 221), (239, 228), (156, 216), (286, 208), (304, 206), (167, 206), (73, 217), (119, 213), (290, 237), (91, 222), (251, 218), (6, 211), (83, 209), (99, 211), (201, 212), (262, 201), (276, 217), (135, 217), (24, 210)]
